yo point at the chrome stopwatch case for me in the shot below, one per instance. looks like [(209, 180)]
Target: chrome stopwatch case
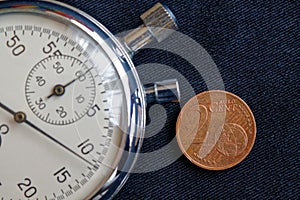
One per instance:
[(72, 107)]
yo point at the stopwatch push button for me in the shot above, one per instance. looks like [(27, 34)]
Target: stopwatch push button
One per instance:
[(162, 92), (159, 23)]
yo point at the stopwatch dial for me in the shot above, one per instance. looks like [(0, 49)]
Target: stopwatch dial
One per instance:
[(60, 107), (57, 82)]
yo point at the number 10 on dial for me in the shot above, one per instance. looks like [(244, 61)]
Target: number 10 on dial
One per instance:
[(60, 108)]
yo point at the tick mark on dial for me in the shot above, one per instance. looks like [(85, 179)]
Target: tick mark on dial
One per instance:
[(73, 63), (43, 66), (47, 117), (76, 113), (30, 92)]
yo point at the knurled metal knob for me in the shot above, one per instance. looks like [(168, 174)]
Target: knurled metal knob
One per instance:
[(159, 23)]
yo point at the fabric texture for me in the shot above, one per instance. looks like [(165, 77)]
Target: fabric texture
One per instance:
[(256, 48)]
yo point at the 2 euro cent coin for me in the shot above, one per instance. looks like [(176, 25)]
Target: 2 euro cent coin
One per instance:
[(216, 130)]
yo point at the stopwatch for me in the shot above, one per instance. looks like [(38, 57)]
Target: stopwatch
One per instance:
[(72, 107)]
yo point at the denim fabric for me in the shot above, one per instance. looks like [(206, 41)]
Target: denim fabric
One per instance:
[(256, 47)]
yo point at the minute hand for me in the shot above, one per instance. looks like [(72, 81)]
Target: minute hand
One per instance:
[(56, 141), (63, 87)]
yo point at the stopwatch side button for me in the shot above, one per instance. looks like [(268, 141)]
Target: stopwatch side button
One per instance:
[(162, 92), (159, 23)]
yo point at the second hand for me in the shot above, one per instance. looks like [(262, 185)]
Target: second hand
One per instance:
[(20, 117)]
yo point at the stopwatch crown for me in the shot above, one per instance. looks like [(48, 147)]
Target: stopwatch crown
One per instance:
[(160, 21)]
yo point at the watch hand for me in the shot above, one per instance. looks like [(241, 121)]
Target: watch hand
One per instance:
[(59, 90), (7, 109), (20, 117)]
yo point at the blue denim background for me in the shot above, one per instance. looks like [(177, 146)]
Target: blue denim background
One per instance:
[(255, 45)]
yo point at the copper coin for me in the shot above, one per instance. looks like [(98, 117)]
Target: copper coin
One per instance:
[(216, 130)]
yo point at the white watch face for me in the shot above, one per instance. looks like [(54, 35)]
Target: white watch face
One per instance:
[(64, 142)]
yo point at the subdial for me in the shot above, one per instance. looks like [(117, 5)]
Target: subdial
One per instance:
[(60, 89)]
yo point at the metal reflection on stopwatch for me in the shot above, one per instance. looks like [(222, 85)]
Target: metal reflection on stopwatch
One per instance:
[(72, 106), (64, 84)]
